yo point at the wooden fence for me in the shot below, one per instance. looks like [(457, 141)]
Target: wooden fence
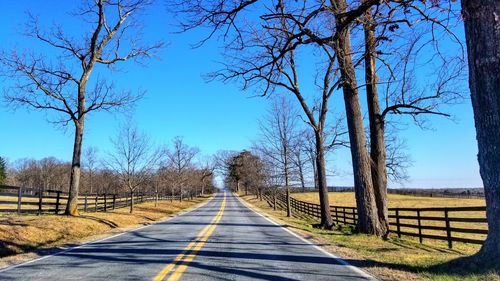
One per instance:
[(22, 200), (453, 224)]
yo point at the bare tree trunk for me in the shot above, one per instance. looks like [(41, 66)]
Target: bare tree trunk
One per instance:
[(287, 187), (90, 183), (315, 173), (326, 216), (301, 172), (482, 33), (131, 202), (72, 205), (365, 198), (377, 141)]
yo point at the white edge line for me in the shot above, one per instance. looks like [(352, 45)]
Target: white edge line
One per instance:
[(338, 259), (103, 239)]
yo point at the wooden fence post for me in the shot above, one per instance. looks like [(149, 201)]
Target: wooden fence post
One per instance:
[(419, 227), (85, 204), (19, 199), (448, 228), (398, 226), (114, 201), (105, 203), (96, 198), (57, 201)]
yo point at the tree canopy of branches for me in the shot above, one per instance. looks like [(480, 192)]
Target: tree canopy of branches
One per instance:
[(90, 163), (110, 178), (278, 140), (264, 47), (180, 158), (63, 84), (43, 174), (134, 159)]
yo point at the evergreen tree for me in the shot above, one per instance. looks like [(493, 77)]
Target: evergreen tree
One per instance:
[(3, 170)]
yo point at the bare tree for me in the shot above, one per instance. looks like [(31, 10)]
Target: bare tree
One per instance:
[(134, 159), (272, 42), (272, 65), (278, 132), (181, 158), (168, 178), (46, 173), (64, 84), (90, 163), (299, 161), (483, 37), (416, 45), (397, 159), (206, 173), (48, 169)]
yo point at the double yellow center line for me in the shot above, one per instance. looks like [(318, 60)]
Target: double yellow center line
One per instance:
[(179, 264)]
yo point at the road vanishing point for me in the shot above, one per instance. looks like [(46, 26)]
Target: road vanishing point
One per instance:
[(222, 239)]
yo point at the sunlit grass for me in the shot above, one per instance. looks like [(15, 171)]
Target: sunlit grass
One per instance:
[(395, 200)]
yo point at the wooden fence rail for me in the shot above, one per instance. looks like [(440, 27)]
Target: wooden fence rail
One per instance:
[(451, 224), (19, 200)]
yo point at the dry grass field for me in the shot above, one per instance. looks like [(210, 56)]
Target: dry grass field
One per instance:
[(394, 258), (26, 233), (395, 200)]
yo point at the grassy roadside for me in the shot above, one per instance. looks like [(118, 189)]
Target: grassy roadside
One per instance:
[(393, 259), (22, 236)]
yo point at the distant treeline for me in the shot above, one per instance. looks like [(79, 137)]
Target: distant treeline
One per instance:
[(476, 192)]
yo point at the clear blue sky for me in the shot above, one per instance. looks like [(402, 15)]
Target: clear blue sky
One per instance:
[(212, 115)]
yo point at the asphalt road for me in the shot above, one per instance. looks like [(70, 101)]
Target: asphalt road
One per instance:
[(222, 240)]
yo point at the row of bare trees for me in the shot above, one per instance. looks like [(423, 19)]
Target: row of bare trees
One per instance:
[(405, 50), (403, 55), (46, 173), (134, 166), (267, 54)]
